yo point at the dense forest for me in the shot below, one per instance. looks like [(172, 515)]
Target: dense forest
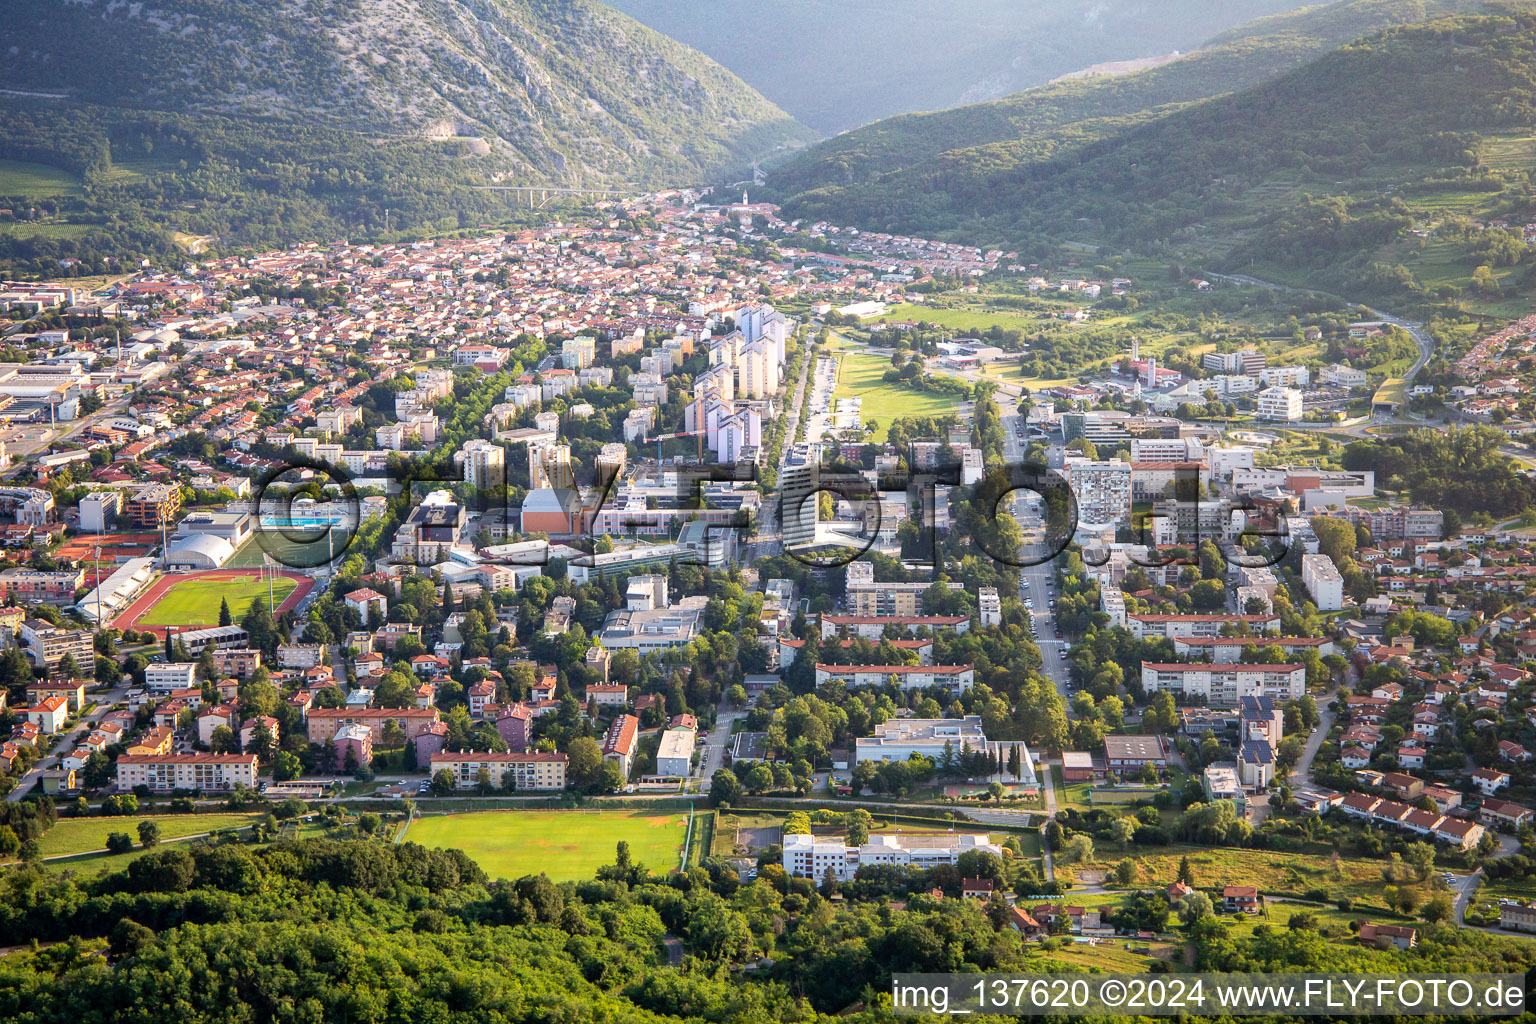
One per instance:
[(365, 930)]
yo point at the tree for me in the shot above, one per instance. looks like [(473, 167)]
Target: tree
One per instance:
[(1439, 908), (368, 823), (759, 778), (1124, 830), (9, 842), (149, 834), (442, 782), (724, 787), (223, 740), (129, 939), (225, 618), (1078, 850), (584, 762), (119, 842), (1193, 906), (857, 824), (1186, 872), (286, 766), (611, 776)]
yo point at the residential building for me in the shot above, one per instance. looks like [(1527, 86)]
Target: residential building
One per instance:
[(1102, 489), (808, 856), (957, 678), (1281, 405), (1225, 685), (154, 506), (621, 742), (35, 586), (505, 771), (674, 756), (48, 645), (1323, 581), (989, 607), (162, 773), (162, 677)]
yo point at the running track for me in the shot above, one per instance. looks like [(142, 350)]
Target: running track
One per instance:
[(130, 616)]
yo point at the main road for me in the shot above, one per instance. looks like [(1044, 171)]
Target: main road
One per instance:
[(767, 540)]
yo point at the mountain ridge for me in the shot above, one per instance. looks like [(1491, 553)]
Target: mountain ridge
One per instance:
[(1247, 55), (1311, 172), (520, 75)]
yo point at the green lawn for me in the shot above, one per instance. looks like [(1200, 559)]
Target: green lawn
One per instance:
[(82, 835), (565, 845), (859, 376), (196, 602)]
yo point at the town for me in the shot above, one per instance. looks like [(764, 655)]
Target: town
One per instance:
[(683, 506)]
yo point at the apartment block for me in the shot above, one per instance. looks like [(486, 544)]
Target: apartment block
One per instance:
[(152, 507), (1225, 685), (165, 772), (1322, 580), (525, 771)]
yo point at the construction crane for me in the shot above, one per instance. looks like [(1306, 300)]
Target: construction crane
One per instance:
[(673, 437)]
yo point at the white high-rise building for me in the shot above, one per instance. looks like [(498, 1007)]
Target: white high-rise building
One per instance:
[(1282, 405), (1103, 490), (485, 464), (989, 607), (1323, 581)]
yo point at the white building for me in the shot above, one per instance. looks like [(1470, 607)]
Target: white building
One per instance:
[(1227, 684), (1112, 603), (1103, 490), (807, 856), (1341, 376), (1282, 405), (989, 607), (900, 738), (1286, 377), (956, 678), (674, 756), (1167, 449), (98, 509), (178, 676), (1322, 580), (485, 464)]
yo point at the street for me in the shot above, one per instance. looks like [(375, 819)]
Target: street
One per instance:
[(66, 742)]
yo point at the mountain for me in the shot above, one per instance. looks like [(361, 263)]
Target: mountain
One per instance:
[(259, 124), (1252, 53), (836, 64), (562, 91), (1321, 173)]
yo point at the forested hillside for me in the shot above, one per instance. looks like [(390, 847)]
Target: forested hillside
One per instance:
[(1077, 110), (1315, 171)]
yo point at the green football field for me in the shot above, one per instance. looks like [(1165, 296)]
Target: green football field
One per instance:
[(565, 845), (195, 602)]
